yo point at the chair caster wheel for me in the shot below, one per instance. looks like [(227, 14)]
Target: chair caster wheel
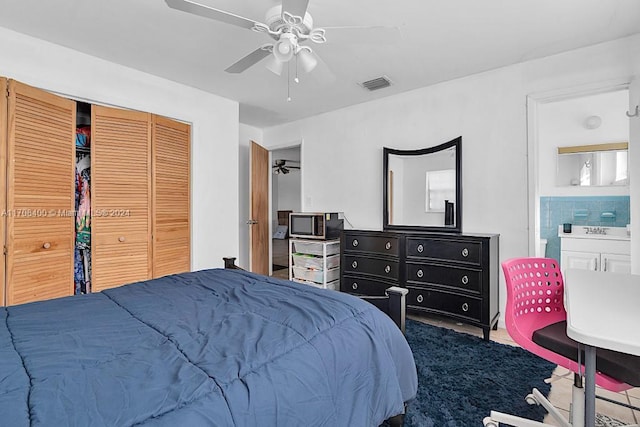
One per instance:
[(531, 400), (488, 422)]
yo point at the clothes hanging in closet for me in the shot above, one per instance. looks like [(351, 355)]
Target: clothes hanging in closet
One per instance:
[(82, 254), (83, 203)]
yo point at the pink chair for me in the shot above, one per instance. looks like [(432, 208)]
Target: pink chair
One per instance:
[(536, 320)]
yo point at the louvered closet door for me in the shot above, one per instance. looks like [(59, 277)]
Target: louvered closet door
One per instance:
[(171, 232), (3, 174), (40, 195), (121, 197)]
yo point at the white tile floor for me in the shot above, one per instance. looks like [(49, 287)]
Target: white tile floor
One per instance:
[(562, 379)]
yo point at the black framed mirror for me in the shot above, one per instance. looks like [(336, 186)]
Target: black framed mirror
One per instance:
[(422, 189)]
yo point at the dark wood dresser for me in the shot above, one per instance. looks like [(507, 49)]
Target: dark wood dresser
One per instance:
[(454, 275)]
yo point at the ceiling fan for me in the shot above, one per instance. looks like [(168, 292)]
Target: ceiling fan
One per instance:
[(291, 26), (280, 166)]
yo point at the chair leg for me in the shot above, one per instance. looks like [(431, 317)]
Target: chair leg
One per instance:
[(496, 418), (534, 398), (543, 401), (577, 406)]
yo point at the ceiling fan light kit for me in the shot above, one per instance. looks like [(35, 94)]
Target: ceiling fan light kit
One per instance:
[(285, 48), (307, 60), (274, 65)]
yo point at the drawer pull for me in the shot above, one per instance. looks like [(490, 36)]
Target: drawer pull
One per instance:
[(420, 298), (121, 239), (465, 279), (387, 269), (465, 307), (354, 286), (387, 246), (354, 243), (354, 264), (420, 248), (465, 252), (420, 273), (46, 245)]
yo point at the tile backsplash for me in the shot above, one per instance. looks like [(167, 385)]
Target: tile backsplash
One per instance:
[(603, 211)]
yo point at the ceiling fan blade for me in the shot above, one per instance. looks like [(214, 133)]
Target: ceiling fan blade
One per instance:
[(295, 7), (249, 60), (210, 12), (363, 35)]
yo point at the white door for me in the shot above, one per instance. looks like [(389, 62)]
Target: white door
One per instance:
[(580, 260), (616, 263)]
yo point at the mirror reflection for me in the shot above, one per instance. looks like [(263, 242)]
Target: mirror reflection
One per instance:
[(593, 165), (422, 187)]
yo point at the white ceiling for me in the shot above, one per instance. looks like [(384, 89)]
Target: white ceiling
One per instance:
[(440, 40)]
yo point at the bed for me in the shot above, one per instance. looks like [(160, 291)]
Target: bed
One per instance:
[(216, 347)]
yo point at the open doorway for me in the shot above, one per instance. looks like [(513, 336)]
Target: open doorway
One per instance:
[(285, 198), (570, 132)]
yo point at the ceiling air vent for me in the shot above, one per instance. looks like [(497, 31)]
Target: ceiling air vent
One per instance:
[(377, 83)]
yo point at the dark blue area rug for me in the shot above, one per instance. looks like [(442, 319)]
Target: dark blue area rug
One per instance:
[(461, 378)]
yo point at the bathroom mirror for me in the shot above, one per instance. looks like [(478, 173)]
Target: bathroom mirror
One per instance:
[(593, 165), (421, 188)]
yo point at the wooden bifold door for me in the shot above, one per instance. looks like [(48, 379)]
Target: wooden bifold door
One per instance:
[(140, 195), (171, 196), (121, 197), (40, 195)]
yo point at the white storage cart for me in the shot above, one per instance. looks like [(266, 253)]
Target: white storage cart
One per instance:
[(315, 262)]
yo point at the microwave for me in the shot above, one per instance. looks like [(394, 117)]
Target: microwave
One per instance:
[(315, 225)]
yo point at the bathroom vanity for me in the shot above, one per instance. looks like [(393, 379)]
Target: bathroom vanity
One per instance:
[(596, 248)]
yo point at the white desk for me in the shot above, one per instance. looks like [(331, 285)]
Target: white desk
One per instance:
[(603, 311)]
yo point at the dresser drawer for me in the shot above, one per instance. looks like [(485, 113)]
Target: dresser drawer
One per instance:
[(361, 286), (384, 268), (383, 245), (445, 302), (446, 250), (456, 277)]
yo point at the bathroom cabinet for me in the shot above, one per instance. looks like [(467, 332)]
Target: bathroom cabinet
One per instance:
[(596, 261), (598, 252)]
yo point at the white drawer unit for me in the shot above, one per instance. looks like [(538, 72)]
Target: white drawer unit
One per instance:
[(315, 262), (610, 251)]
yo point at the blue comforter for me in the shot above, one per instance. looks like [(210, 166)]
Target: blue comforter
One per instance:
[(208, 348)]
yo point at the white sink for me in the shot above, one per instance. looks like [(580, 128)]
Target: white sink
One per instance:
[(589, 232)]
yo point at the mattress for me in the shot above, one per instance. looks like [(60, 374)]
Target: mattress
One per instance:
[(208, 348)]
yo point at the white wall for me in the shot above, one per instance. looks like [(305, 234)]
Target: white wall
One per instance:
[(343, 149), (286, 187), (561, 124), (288, 191), (214, 120)]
